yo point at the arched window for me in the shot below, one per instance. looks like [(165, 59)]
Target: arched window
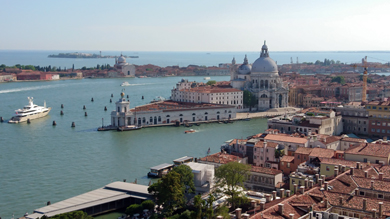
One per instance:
[(206, 113), (193, 114), (159, 118), (168, 116), (263, 96), (230, 111), (261, 84), (218, 112), (151, 119), (181, 115), (143, 120), (266, 84)]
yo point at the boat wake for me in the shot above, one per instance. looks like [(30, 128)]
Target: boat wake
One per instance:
[(32, 88)]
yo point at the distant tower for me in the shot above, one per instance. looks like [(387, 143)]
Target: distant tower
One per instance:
[(364, 94), (100, 54), (297, 61), (292, 61), (234, 61)]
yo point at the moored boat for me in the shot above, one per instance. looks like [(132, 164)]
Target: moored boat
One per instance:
[(30, 112), (128, 128)]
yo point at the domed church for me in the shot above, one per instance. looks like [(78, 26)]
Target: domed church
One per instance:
[(262, 79), (127, 69)]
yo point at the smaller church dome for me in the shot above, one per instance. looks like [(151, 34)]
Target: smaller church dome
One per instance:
[(121, 59), (245, 68)]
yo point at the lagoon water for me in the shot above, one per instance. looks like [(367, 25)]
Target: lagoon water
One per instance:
[(40, 163)]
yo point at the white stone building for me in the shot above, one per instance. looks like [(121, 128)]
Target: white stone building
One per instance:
[(262, 79), (203, 176), (127, 69), (164, 112), (186, 91)]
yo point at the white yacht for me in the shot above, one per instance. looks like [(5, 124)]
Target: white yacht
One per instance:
[(30, 111), (125, 83)]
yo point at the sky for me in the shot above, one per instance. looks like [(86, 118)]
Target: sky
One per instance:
[(201, 25)]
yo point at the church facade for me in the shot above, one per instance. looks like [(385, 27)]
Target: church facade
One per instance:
[(261, 79), (128, 70)]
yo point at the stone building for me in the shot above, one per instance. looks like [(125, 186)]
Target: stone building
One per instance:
[(261, 79), (127, 69)]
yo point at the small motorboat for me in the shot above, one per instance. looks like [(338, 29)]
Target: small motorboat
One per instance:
[(189, 131), (125, 83)]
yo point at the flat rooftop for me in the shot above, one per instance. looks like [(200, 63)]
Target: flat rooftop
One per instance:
[(186, 158), (170, 105), (162, 166), (111, 192)]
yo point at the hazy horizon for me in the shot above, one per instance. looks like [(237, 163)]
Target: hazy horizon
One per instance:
[(204, 26)]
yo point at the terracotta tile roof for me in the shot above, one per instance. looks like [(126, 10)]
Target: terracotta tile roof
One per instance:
[(354, 140), (211, 89), (303, 150), (322, 152), (385, 170), (169, 105), (343, 184), (265, 170), (369, 149), (379, 185), (356, 202), (329, 139), (260, 144), (273, 137), (361, 172), (333, 161), (220, 158), (287, 159), (238, 141)]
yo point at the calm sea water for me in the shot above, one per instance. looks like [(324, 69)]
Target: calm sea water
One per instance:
[(40, 163), (183, 59)]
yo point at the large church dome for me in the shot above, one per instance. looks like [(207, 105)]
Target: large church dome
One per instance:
[(121, 59), (264, 63)]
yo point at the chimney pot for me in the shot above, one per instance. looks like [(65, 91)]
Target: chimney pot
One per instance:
[(295, 188), (262, 206), (356, 192), (306, 183), (320, 182), (326, 186), (380, 176), (357, 165), (372, 184), (282, 193), (291, 216), (340, 200), (238, 213), (288, 193), (380, 209), (336, 171), (302, 189), (326, 202), (351, 171), (280, 208), (311, 184), (364, 204), (253, 204), (366, 174), (274, 195)]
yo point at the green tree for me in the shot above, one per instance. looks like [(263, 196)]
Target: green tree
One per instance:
[(209, 206), (148, 204), (168, 192), (185, 215), (198, 204), (134, 209), (229, 178), (339, 79), (223, 211), (72, 215), (186, 178), (250, 99), (211, 82)]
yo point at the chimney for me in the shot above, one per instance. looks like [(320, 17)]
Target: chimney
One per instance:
[(364, 204), (295, 188), (351, 170), (366, 174), (238, 213), (306, 183), (262, 206), (372, 184), (369, 163), (326, 203), (288, 193), (357, 165), (291, 216), (380, 209), (219, 217), (245, 216), (311, 183), (336, 171), (326, 186), (343, 168), (323, 178), (280, 208), (374, 213), (320, 182), (317, 177), (380, 176), (302, 189), (282, 193), (273, 195), (267, 197), (253, 204), (356, 192), (340, 200)]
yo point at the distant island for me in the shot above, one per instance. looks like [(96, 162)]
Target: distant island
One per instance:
[(85, 56)]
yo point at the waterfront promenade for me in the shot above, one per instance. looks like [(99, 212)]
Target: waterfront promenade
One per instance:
[(266, 114)]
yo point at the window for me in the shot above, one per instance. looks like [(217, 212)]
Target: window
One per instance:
[(383, 131), (299, 156), (361, 193), (327, 168), (380, 196), (282, 163), (288, 165), (365, 160), (378, 130)]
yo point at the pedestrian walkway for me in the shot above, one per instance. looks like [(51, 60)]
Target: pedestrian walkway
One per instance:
[(268, 113)]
